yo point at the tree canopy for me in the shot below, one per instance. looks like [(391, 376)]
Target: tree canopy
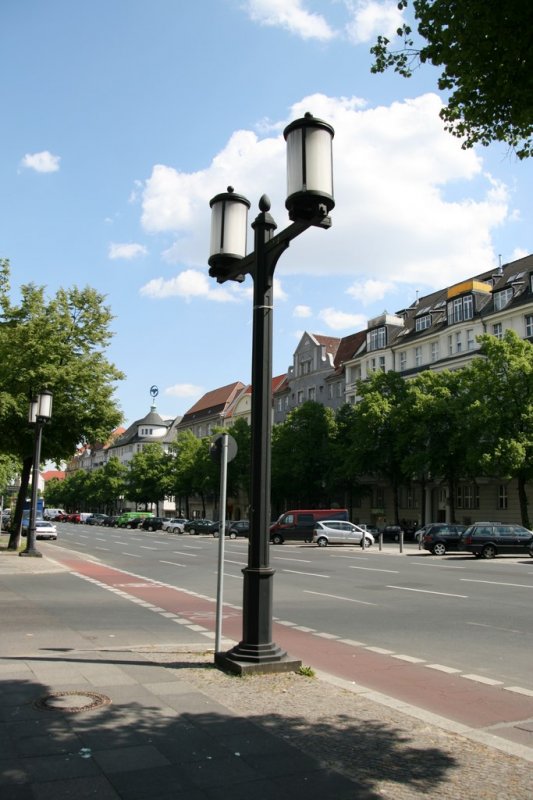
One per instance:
[(483, 48)]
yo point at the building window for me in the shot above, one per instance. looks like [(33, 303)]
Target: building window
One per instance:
[(403, 361), (376, 339), (502, 298), (418, 356), (470, 341), (311, 393), (330, 391), (497, 330), (467, 496), (300, 397), (460, 308), (305, 367), (340, 389), (434, 351), (529, 325), (287, 401), (450, 345), (503, 499), (280, 403), (382, 363), (423, 323), (458, 343)]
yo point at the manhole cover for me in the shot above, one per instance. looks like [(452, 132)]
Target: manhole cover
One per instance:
[(72, 702)]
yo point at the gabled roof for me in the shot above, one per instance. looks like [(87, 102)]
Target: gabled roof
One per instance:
[(331, 343), (213, 402), (348, 347)]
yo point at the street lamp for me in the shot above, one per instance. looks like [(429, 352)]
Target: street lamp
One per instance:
[(309, 200), (40, 413)]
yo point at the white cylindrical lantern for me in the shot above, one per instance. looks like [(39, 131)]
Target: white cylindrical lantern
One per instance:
[(309, 168), (44, 411), (34, 408), (229, 226)]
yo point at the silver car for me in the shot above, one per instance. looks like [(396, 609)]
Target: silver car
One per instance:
[(336, 531)]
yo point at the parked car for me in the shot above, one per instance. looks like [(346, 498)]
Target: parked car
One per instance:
[(335, 531), (391, 533), (196, 526), (153, 523), (240, 527), (44, 529), (298, 524), (96, 519), (72, 517), (53, 513), (126, 518), (438, 537), (489, 539), (134, 524), (110, 522), (175, 525)]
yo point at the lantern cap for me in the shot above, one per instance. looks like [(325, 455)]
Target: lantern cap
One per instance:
[(229, 195), (308, 121)]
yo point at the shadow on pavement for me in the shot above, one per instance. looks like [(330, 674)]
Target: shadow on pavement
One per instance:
[(176, 742)]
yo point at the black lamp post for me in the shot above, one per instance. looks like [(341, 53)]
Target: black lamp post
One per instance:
[(39, 414), (309, 200)]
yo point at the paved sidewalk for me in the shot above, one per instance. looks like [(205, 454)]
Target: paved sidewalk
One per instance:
[(81, 720)]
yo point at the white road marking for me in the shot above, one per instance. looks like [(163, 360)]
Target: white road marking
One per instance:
[(312, 574), (375, 569), (410, 659), (499, 583), (145, 547), (438, 566), (482, 679), (133, 555), (442, 668), (102, 548), (173, 563), (299, 560), (428, 591), (352, 642), (519, 690), (304, 629), (181, 553), (338, 597), (492, 627), (380, 650), (327, 635), (238, 563)]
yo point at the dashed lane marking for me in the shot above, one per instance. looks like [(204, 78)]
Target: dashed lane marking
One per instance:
[(428, 591), (442, 668), (338, 597), (482, 679), (312, 574)]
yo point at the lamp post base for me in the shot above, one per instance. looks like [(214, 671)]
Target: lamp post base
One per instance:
[(262, 659)]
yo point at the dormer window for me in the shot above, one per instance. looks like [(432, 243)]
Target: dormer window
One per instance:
[(460, 308), (423, 323), (376, 339), (502, 298)]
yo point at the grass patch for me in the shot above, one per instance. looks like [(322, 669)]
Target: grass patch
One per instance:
[(307, 671)]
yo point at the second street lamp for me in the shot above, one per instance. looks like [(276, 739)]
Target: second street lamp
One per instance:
[(309, 201), (40, 413)]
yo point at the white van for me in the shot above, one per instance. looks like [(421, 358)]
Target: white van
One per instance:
[(52, 513)]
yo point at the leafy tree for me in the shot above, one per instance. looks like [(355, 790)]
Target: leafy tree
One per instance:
[(378, 431), (485, 53), (60, 344), (440, 429), (346, 466), (239, 468), (148, 477), (501, 408), (184, 478), (302, 448)]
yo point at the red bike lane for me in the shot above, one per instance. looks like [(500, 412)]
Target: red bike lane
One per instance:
[(453, 697)]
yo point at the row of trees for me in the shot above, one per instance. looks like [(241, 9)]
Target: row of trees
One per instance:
[(450, 425), (57, 343)]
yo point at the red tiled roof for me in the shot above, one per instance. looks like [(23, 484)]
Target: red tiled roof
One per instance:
[(216, 399), (53, 473)]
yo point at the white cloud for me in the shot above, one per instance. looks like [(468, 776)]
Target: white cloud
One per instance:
[(367, 292), (339, 320), (279, 292), (290, 15), (411, 206), (41, 162), (126, 251), (370, 19), (188, 284), (302, 311), (184, 390)]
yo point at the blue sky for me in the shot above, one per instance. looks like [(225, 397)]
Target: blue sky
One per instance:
[(122, 118)]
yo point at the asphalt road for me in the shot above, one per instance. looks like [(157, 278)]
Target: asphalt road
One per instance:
[(464, 614)]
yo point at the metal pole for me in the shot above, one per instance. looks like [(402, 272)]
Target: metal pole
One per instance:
[(31, 550), (221, 540)]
